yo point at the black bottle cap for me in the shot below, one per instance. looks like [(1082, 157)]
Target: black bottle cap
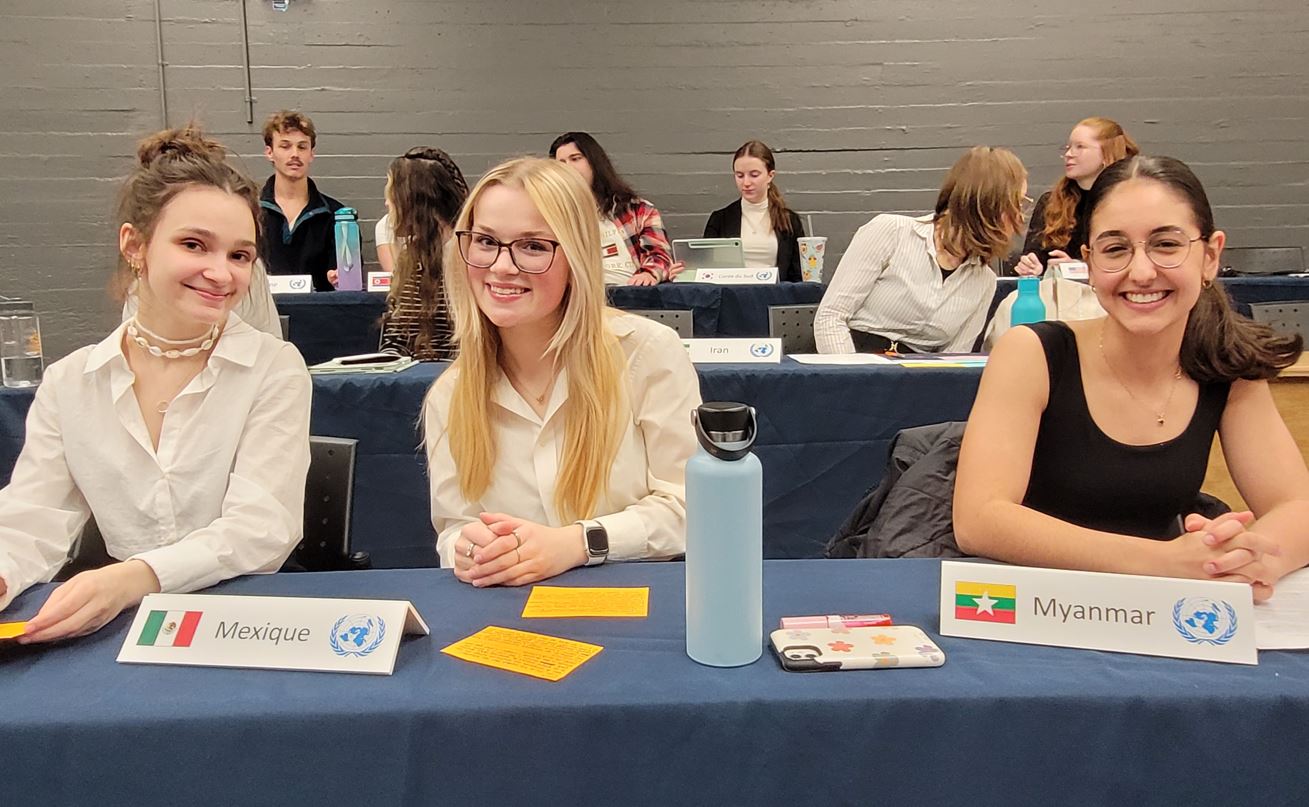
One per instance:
[(725, 429)]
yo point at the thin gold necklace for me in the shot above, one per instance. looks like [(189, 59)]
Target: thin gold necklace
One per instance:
[(1159, 415), (540, 399)]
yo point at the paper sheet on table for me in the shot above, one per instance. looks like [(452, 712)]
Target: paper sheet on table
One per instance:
[(1282, 623), (576, 601), (11, 630), (533, 654), (840, 358)]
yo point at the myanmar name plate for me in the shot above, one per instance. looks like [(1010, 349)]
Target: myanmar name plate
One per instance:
[(1155, 616), (274, 633)]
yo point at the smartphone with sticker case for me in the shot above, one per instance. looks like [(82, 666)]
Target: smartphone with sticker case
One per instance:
[(834, 649)]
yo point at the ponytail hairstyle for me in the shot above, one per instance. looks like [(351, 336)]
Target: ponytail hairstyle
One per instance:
[(167, 163), (612, 193), (980, 206), (778, 213), (1061, 205), (426, 190), (1219, 345)]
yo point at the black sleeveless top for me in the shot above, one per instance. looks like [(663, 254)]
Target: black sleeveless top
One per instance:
[(1082, 476)]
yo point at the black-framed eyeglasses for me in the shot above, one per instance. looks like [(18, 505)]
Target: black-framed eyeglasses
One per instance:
[(531, 255), (1168, 249)]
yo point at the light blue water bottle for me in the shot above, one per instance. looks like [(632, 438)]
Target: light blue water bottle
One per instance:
[(349, 256), (1028, 307), (724, 539)]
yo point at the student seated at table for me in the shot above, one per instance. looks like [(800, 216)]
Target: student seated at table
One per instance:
[(559, 437), (425, 188), (184, 433), (1057, 227), (634, 245), (298, 236), (923, 284), (768, 229), (1088, 441)]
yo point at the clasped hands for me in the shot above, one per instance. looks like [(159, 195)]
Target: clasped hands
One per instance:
[(1223, 549), (499, 549)]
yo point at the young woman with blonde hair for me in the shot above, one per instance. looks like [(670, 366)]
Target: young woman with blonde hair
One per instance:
[(1057, 227), (559, 437), (923, 284)]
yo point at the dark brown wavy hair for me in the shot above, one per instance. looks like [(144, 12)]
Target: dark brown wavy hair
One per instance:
[(427, 190), (1061, 206), (612, 193), (1219, 345), (778, 213)]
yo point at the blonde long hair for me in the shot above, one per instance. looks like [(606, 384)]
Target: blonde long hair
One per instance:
[(980, 204), (583, 345)]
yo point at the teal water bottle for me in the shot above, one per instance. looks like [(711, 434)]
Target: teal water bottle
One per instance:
[(1028, 307), (349, 256), (724, 539)]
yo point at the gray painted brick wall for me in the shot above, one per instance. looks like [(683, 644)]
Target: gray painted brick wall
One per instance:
[(867, 102)]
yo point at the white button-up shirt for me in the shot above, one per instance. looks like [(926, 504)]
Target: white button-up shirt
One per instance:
[(222, 496), (644, 512), (888, 283)]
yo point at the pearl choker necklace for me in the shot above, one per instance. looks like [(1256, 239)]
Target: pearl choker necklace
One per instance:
[(135, 329)]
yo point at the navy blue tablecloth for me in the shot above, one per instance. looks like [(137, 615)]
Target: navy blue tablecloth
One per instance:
[(640, 723), (823, 437), (341, 323)]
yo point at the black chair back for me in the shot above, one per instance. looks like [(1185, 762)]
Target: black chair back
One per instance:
[(1262, 261), (676, 318), (329, 494), (1290, 317), (794, 325)]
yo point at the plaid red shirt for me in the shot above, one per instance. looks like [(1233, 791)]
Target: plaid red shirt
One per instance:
[(646, 238)]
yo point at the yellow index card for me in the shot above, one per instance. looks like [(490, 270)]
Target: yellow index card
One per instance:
[(572, 601), (533, 654), (11, 630)]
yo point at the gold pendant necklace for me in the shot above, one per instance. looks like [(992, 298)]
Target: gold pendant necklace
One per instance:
[(1159, 415)]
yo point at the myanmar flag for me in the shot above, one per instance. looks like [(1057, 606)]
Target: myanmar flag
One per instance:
[(169, 629), (984, 602)]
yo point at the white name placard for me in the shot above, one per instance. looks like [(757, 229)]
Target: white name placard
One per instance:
[(736, 277), (290, 284), (734, 351), (273, 633), (379, 281), (1154, 616)]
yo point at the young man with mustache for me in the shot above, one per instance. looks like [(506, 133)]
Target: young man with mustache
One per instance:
[(297, 233)]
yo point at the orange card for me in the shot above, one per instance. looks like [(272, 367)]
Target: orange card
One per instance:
[(12, 630), (574, 601), (519, 651)]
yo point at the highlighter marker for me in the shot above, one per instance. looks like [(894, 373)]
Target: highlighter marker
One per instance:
[(836, 621)]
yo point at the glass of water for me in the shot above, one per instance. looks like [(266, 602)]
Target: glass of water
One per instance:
[(21, 363)]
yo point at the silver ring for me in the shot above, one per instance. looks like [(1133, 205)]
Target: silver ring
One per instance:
[(469, 553), (518, 557), (517, 538)]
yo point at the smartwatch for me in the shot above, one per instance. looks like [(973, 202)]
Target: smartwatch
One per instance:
[(596, 539)]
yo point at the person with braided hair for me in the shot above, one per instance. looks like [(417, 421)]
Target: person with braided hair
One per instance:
[(184, 433), (424, 189)]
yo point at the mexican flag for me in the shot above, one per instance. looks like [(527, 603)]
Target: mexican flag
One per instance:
[(985, 602), (169, 629)]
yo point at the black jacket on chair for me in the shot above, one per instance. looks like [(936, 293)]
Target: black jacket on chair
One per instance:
[(726, 223)]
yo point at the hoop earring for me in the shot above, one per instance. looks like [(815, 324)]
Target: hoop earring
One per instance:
[(1206, 284)]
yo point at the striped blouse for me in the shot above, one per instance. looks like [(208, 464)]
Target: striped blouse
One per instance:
[(403, 320), (888, 283)]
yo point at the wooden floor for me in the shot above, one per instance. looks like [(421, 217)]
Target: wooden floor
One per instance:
[(1291, 392)]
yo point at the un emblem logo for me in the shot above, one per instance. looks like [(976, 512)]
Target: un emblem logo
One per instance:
[(762, 350), (1201, 620), (764, 276), (357, 635), (297, 284)]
